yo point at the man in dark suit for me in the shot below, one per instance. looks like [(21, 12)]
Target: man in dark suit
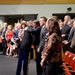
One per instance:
[(4, 43), (70, 38), (25, 47), (39, 30), (65, 30), (43, 32), (35, 31)]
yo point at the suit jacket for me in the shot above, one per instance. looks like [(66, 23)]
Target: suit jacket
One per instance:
[(3, 31), (43, 32), (65, 30), (70, 35), (26, 41), (35, 35), (42, 43), (42, 37), (73, 40)]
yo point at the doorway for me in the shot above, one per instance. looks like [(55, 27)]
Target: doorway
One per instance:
[(11, 19)]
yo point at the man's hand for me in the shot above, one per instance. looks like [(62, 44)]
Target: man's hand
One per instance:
[(63, 35), (71, 46), (65, 42), (26, 28), (41, 63), (38, 50)]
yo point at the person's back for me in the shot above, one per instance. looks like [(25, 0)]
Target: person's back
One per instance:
[(25, 46), (26, 41)]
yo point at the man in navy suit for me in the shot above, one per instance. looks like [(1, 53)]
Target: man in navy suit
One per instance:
[(25, 47)]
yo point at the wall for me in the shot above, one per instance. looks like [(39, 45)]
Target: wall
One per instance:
[(45, 10), (1, 21), (41, 10)]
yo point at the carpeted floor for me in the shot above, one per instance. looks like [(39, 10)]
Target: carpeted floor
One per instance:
[(8, 65)]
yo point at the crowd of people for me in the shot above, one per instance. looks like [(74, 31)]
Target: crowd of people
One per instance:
[(50, 38)]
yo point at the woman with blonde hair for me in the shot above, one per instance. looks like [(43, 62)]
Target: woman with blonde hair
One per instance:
[(8, 37)]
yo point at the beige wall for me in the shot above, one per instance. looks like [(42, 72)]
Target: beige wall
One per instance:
[(41, 10)]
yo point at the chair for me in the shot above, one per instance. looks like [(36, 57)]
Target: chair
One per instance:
[(72, 60), (67, 72), (69, 58), (65, 56), (72, 71), (71, 65)]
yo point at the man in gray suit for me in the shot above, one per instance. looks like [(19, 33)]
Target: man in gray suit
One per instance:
[(42, 22), (4, 43), (43, 31)]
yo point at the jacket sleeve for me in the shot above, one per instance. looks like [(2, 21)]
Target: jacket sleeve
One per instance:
[(42, 43), (49, 47), (73, 41), (32, 30)]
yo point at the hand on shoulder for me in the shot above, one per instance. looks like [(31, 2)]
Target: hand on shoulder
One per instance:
[(26, 28)]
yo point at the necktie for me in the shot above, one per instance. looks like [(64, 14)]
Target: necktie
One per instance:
[(70, 34)]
